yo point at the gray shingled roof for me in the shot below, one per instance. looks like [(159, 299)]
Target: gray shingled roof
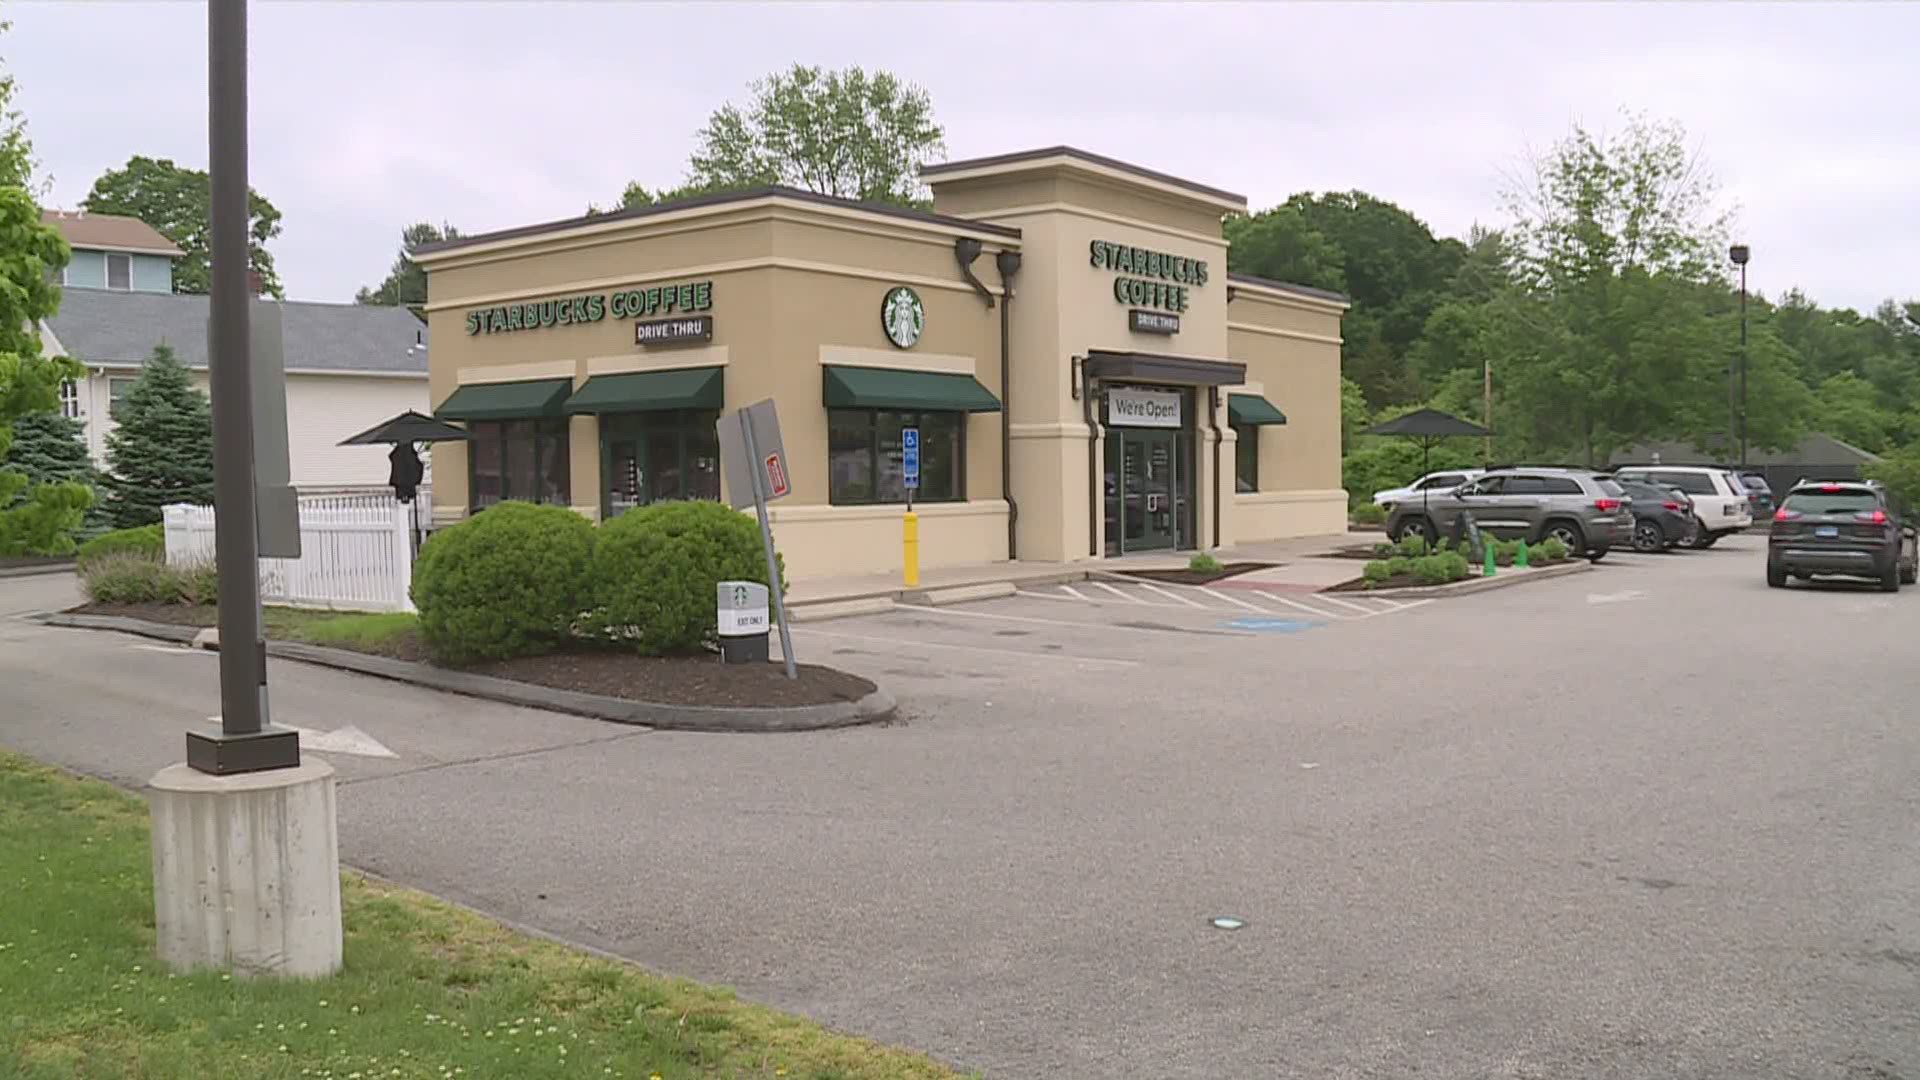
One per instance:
[(98, 326)]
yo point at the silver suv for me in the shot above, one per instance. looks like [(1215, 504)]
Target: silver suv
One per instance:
[(1586, 510)]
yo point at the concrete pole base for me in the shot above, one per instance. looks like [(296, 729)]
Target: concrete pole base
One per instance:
[(246, 871)]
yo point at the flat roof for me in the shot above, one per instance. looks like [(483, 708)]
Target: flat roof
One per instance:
[(719, 199), (1288, 286), (1074, 153)]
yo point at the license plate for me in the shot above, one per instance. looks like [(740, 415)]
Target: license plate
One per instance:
[(1826, 531)]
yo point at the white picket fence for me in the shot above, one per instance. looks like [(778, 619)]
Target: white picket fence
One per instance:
[(356, 552)]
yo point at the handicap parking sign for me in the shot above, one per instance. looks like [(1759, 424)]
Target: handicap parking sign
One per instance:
[(910, 457)]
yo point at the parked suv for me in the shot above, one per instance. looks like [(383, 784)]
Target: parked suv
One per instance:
[(1586, 510), (1719, 500), (1662, 517), (1841, 528)]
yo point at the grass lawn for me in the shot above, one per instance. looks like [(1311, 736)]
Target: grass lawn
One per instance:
[(429, 991), (393, 633)]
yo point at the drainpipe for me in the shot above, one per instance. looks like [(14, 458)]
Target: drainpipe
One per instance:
[(1213, 421), (1008, 263), (965, 251), (1096, 483)]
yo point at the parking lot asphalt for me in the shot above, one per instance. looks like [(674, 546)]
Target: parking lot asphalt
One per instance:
[(1652, 821)]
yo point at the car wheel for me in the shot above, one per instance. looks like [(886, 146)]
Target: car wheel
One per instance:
[(1701, 537), (1707, 540), (1415, 526), (1890, 581), (1776, 576), (1567, 533), (1647, 535), (1910, 574)]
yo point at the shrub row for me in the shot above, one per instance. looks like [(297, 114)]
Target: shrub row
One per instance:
[(147, 540), (521, 580), (134, 578)]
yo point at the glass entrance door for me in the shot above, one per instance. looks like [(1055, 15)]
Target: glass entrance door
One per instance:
[(1148, 473)]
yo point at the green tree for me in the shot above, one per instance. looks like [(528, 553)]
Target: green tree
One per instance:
[(842, 133), (406, 282), (49, 448), (1848, 408), (40, 519), (178, 202), (161, 448)]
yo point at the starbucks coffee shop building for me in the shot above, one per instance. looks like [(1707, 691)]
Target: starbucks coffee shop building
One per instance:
[(1086, 378)]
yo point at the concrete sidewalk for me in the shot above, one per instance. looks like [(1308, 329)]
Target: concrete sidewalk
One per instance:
[(1300, 563)]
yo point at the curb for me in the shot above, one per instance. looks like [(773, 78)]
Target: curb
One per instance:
[(958, 594), (873, 708), (839, 609), (38, 569), (1481, 584)]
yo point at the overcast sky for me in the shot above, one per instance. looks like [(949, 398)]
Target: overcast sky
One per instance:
[(366, 116)]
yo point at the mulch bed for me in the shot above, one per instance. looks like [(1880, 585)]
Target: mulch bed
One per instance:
[(681, 680), (171, 614), (1359, 584), (1363, 552), (1197, 577)]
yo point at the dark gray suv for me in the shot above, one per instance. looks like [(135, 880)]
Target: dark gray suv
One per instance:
[(1586, 510)]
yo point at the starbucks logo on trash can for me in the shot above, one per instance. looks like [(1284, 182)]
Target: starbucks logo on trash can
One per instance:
[(902, 316), (740, 595)]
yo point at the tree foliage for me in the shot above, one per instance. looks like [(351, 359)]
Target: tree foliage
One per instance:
[(406, 282), (178, 201), (161, 448)]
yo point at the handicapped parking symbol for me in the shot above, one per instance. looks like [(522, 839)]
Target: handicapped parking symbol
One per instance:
[(1271, 625)]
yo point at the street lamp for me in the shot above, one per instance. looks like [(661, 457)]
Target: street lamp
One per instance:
[(1739, 254)]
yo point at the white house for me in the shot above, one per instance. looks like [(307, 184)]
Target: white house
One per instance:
[(349, 366)]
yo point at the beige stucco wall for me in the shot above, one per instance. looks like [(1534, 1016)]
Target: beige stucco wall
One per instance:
[(793, 289), (1291, 346)]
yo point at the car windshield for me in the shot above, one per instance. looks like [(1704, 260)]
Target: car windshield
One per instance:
[(1608, 487), (1755, 485), (1841, 501)]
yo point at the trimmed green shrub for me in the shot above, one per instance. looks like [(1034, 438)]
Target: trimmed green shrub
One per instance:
[(1457, 566), (127, 579), (655, 571), (509, 581), (1438, 569), (147, 540), (1202, 562), (1383, 550), (1376, 572), (1552, 548), (1538, 555), (1413, 545), (1399, 564), (1368, 513)]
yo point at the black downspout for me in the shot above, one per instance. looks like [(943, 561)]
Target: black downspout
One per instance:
[(1008, 263), (1213, 421), (1096, 481)]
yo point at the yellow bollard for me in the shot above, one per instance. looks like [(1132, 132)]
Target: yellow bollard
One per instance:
[(910, 543)]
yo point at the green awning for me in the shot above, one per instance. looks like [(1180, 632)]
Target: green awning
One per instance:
[(1253, 409), (892, 388), (650, 391), (505, 400)]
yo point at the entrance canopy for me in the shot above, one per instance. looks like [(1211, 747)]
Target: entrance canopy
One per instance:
[(894, 388), (651, 391), (1253, 410), (506, 400), (1155, 367)]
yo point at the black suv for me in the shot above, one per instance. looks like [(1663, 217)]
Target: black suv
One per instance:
[(1846, 528)]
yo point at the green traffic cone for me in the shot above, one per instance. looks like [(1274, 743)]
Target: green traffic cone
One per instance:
[(1489, 569), (1520, 556)]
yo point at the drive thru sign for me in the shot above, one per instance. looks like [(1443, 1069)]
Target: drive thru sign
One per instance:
[(755, 463)]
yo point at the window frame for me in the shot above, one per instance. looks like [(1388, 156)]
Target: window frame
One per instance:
[(548, 431), (915, 418), (70, 399), (1246, 452), (113, 399), (108, 261)]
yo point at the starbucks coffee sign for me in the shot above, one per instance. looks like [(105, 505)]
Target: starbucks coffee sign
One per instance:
[(683, 298), (1149, 279)]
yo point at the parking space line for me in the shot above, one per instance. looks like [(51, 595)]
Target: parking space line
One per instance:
[(1124, 596), (1073, 592), (1309, 608), (1348, 604), (897, 643), (1218, 595), (1158, 591), (957, 613)]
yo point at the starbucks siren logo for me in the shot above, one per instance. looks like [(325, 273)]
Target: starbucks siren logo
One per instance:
[(902, 316)]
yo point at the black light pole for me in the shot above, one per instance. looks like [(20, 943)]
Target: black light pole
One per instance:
[(246, 743), (1739, 254)]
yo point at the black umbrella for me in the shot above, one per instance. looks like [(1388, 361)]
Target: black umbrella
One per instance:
[(1426, 427), (408, 427)]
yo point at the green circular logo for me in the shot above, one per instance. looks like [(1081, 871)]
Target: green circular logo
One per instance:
[(902, 316)]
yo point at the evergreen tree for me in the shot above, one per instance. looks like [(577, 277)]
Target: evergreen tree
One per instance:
[(49, 448), (161, 450)]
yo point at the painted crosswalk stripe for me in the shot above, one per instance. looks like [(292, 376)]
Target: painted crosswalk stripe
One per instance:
[(1171, 595), (1306, 607), (1128, 597), (1073, 592), (1218, 595)]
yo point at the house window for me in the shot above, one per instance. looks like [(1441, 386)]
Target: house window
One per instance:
[(117, 390), (1246, 458), (70, 399), (864, 457), (519, 459), (119, 271)]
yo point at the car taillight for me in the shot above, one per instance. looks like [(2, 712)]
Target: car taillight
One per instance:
[(1784, 514), (1829, 487), (1675, 507), (1878, 517), (1606, 505)]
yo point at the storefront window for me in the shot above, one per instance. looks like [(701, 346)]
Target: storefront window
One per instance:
[(864, 456), (519, 459), (655, 456), (1246, 458)]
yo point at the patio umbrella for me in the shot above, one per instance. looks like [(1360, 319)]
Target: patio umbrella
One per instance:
[(1426, 427), (408, 427)]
